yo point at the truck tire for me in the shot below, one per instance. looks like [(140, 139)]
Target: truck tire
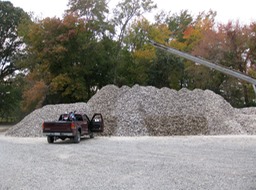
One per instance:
[(77, 138), (91, 135), (50, 139)]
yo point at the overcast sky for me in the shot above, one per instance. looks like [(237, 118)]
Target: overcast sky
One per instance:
[(244, 11)]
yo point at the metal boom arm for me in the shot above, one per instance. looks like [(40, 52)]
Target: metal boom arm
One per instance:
[(217, 67)]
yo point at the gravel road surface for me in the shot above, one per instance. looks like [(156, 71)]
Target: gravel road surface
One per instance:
[(115, 163)]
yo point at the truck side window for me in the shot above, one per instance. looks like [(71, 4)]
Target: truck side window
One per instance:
[(79, 117)]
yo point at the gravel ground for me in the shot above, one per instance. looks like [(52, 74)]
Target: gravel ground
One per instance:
[(114, 163)]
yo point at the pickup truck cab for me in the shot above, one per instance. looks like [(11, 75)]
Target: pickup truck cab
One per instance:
[(73, 126)]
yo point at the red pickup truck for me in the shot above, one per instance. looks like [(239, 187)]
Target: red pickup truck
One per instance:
[(73, 126)]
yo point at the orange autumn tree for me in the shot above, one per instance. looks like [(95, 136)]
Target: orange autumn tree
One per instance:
[(185, 34), (236, 55), (200, 38), (34, 96), (62, 60), (228, 45)]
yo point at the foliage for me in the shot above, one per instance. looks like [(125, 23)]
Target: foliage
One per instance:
[(11, 51), (166, 71), (10, 43), (178, 24), (94, 12), (10, 98), (126, 11), (229, 46), (68, 59)]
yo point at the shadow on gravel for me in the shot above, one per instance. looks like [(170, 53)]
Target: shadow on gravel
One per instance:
[(70, 141)]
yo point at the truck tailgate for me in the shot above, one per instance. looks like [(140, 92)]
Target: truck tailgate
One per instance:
[(58, 126)]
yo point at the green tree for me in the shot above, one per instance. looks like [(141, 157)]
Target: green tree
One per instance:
[(178, 23), (152, 66), (11, 51), (94, 12), (236, 56), (54, 47), (10, 43), (91, 10), (125, 12), (67, 62), (228, 45), (166, 71), (10, 98), (190, 36), (205, 42)]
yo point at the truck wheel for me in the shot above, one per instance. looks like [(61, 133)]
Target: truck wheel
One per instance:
[(77, 138), (50, 139), (91, 135)]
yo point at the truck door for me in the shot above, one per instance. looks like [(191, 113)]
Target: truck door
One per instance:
[(97, 124), (83, 123)]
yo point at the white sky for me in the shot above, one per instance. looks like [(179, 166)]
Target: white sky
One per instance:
[(244, 11)]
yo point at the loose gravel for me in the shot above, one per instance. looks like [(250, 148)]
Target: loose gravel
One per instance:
[(149, 111), (144, 163)]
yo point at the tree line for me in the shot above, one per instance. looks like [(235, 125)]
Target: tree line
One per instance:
[(65, 60)]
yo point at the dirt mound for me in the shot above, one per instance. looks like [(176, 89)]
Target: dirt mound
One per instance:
[(140, 111)]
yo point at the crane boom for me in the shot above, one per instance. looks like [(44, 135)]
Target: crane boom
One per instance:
[(217, 67)]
